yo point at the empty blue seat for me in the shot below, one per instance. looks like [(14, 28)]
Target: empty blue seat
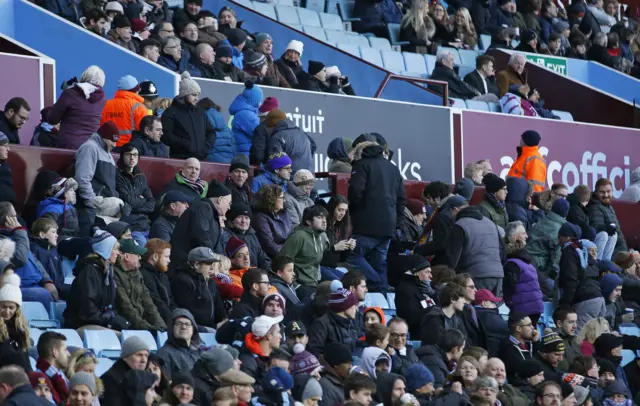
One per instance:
[(457, 103), (414, 63), (104, 364), (38, 316), (394, 35), (287, 15), (296, 26), (477, 105), (358, 40), (380, 43), (57, 310), (393, 61), (485, 41), (73, 338), (335, 36), (289, 3), (391, 299), (317, 33), (208, 339), (464, 70), (162, 338), (265, 9), (454, 51), (389, 314), (564, 115), (375, 299), (309, 17), (145, 335), (331, 21), (414, 344), (34, 334), (345, 9), (246, 3), (371, 55), (494, 107), (468, 57), (627, 357), (104, 343), (350, 48), (629, 329), (32, 361), (431, 62), (315, 5)]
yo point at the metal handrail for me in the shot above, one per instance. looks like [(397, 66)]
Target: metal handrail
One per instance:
[(414, 81)]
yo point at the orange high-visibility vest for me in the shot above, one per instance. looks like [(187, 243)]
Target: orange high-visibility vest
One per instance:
[(126, 110), (530, 165)]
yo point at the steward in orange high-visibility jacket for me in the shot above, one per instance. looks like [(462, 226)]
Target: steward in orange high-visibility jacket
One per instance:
[(126, 109), (530, 165)]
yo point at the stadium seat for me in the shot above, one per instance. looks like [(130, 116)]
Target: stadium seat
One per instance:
[(358, 40), (345, 10), (454, 51), (287, 15), (350, 48), (371, 55), (415, 63), (73, 338), (431, 62), (393, 61), (34, 334), (468, 57), (337, 37), (162, 338), (380, 43), (104, 364), (394, 34), (38, 316), (208, 339), (391, 299), (144, 335), (629, 329), (104, 343), (458, 103), (464, 70), (296, 26), (485, 41), (265, 9), (415, 344), (389, 314), (330, 21), (249, 4), (477, 105), (547, 315), (308, 17), (315, 5), (317, 33), (56, 311), (32, 361), (627, 357), (288, 3), (494, 107), (564, 115), (375, 299)]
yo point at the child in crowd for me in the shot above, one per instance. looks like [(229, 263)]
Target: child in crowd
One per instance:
[(373, 315), (375, 357), (44, 246), (59, 205)]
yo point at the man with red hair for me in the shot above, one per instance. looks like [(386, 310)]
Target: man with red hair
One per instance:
[(154, 268)]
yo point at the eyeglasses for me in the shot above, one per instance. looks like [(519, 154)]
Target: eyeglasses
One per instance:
[(286, 168), (471, 287), (132, 155), (182, 325), (396, 335), (552, 396)]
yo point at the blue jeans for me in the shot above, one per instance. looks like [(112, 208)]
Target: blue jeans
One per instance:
[(330, 274), (370, 257), (37, 294), (606, 245)]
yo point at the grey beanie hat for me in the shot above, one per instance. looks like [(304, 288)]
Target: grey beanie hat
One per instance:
[(83, 378), (132, 345), (187, 85), (218, 361), (312, 389)]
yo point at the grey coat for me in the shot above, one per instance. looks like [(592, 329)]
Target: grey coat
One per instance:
[(95, 170), (332, 389), (300, 147), (175, 353), (295, 201)]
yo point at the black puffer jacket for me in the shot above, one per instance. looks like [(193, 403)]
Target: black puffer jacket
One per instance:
[(157, 282), (601, 216), (7, 193), (331, 328), (206, 383), (457, 88), (376, 195), (578, 214), (434, 358), (113, 380), (577, 283), (434, 324), (248, 306), (163, 227), (402, 362), (147, 147), (187, 131), (332, 388), (413, 306), (135, 193), (192, 292), (221, 70)]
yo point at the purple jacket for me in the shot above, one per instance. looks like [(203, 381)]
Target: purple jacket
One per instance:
[(527, 296), (272, 230), (78, 116)]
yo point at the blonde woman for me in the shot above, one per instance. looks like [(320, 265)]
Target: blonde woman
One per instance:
[(417, 28), (467, 370), (14, 328), (464, 30), (444, 27), (83, 360), (590, 332)]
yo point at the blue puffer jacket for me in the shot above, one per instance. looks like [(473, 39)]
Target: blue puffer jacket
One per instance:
[(268, 178), (184, 64), (64, 214), (245, 120), (238, 59), (225, 148)]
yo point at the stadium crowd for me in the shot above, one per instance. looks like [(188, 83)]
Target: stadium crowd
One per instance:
[(281, 276)]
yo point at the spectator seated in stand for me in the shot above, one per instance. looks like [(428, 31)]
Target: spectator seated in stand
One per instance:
[(176, 59), (59, 206), (223, 67), (290, 64), (264, 45), (148, 140), (322, 79), (208, 29), (375, 15), (483, 78), (457, 88), (278, 173), (513, 75), (154, 267), (183, 346), (239, 226), (174, 204), (296, 198), (44, 246), (121, 33), (271, 221)]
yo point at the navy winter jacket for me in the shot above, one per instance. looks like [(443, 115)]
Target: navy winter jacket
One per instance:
[(183, 65), (374, 14), (52, 262), (225, 148), (517, 205), (300, 147)]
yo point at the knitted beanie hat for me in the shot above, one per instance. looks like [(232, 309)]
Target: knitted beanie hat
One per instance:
[(274, 296), (109, 131), (342, 300), (10, 291), (608, 283), (531, 138), (236, 36), (561, 207), (417, 376), (269, 104), (252, 93), (188, 86), (278, 160), (103, 244), (275, 116), (297, 46), (303, 362), (254, 60), (262, 37), (315, 67), (240, 161), (224, 49), (233, 246), (132, 345), (493, 182), (83, 378), (303, 177)]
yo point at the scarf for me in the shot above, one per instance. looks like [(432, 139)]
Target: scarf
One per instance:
[(610, 402), (87, 88), (583, 254), (199, 186)]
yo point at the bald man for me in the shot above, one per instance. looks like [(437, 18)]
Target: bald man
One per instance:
[(508, 394), (188, 181)]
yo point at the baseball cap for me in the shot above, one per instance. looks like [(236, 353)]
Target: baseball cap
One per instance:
[(261, 325), (130, 246), (202, 254), (295, 328), (485, 295), (176, 196)]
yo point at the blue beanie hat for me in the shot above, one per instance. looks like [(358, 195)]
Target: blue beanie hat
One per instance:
[(278, 160), (277, 380), (417, 376), (103, 244), (570, 230), (223, 48), (561, 207), (608, 283), (464, 187), (252, 94), (608, 266), (531, 138)]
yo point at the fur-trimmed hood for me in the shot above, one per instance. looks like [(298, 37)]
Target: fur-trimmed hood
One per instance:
[(545, 200), (356, 153)]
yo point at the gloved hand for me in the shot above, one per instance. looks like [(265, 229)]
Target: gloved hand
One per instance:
[(109, 206), (611, 229), (96, 202), (345, 81), (334, 80)]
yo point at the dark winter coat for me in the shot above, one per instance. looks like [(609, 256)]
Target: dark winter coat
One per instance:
[(543, 243), (157, 282), (374, 14), (601, 216), (23, 395), (51, 260), (7, 192), (242, 194), (499, 19), (300, 147), (577, 283), (409, 232), (258, 153), (385, 382), (434, 358), (331, 328), (496, 328), (435, 322), (490, 208), (512, 355), (199, 226), (93, 294), (163, 227), (220, 71), (183, 65), (9, 130), (598, 53), (289, 70), (287, 291), (259, 258), (176, 354), (114, 37), (332, 388), (473, 327), (578, 214), (44, 135), (255, 365), (517, 204), (78, 115), (187, 131), (95, 170), (134, 303), (178, 184), (521, 288), (376, 195), (473, 78), (313, 84), (192, 292), (64, 214), (134, 191), (248, 306), (413, 306), (225, 147), (147, 147), (272, 230), (457, 87), (400, 362), (306, 246), (206, 383), (113, 381)]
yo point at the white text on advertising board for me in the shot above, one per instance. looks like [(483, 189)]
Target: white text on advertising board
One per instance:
[(558, 65)]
